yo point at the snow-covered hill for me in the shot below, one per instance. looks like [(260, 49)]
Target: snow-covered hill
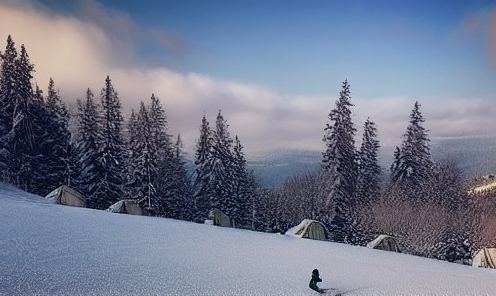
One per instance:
[(48, 249)]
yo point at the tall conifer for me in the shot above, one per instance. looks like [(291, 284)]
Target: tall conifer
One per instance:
[(340, 165)]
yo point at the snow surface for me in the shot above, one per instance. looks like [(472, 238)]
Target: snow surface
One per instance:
[(49, 249)]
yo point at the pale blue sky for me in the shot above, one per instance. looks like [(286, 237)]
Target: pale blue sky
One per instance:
[(385, 48)]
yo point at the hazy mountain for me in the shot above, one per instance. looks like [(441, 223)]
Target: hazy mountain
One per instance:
[(475, 156)]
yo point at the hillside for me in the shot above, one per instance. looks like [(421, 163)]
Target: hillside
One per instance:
[(49, 249)]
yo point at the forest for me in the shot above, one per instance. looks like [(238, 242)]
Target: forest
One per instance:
[(425, 203)]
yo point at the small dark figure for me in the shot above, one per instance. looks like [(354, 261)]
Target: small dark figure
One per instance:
[(315, 279)]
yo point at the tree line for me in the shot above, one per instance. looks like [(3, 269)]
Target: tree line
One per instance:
[(108, 158), (424, 203)]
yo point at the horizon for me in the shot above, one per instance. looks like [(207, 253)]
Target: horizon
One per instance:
[(274, 69)]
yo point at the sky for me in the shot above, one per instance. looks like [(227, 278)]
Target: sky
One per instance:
[(274, 68)]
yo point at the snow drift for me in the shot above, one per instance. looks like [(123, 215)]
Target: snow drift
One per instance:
[(49, 249)]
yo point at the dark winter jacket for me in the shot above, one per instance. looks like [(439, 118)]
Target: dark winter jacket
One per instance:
[(313, 282)]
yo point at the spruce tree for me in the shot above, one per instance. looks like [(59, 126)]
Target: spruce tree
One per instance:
[(145, 165), (243, 187), (202, 185), (369, 175), (55, 140), (111, 152), (413, 165), (8, 90), (340, 164), (182, 201), (161, 152), (223, 169), (89, 168), (23, 138)]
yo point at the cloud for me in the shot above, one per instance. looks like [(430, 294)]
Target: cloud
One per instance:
[(79, 51)]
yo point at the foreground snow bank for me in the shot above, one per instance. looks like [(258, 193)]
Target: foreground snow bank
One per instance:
[(48, 249)]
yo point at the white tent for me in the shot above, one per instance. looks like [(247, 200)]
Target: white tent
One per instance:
[(384, 242), (309, 229), (128, 206), (67, 196), (485, 258)]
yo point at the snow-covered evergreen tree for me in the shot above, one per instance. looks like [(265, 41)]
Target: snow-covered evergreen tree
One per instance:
[(369, 175), (202, 185), (222, 170), (22, 138), (413, 165), (244, 190), (143, 163), (112, 150), (54, 141), (182, 204), (89, 168), (161, 151), (340, 164), (8, 93)]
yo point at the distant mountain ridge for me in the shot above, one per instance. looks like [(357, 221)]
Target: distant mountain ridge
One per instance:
[(476, 156)]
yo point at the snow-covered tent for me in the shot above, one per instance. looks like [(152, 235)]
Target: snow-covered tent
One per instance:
[(311, 229), (384, 242), (485, 258), (218, 218), (67, 196), (128, 206)]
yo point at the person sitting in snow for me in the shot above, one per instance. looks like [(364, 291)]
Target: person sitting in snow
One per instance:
[(315, 279)]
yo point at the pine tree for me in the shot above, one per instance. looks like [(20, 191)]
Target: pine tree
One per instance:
[(243, 187), (89, 169), (202, 185), (8, 86), (8, 90), (54, 142), (182, 184), (368, 184), (222, 170), (145, 165), (161, 152), (413, 165), (339, 163), (112, 153), (23, 139)]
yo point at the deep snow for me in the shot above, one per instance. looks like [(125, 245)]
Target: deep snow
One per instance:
[(48, 249)]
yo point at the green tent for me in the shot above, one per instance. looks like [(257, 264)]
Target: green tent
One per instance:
[(67, 196), (128, 206), (311, 229), (384, 242)]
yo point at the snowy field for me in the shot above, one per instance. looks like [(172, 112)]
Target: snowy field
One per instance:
[(48, 249)]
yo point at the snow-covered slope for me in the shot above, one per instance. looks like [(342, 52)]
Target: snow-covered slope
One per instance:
[(48, 249)]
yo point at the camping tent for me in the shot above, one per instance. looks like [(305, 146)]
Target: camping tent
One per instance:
[(128, 206), (309, 229), (384, 242), (218, 218), (485, 258), (67, 196)]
